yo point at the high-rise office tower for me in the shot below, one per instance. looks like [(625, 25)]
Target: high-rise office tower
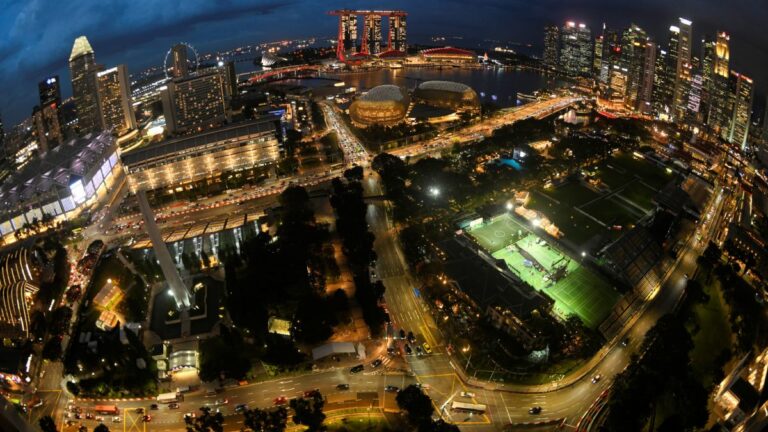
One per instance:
[(722, 54), (551, 47), (82, 69), (231, 75), (196, 103), (397, 33), (764, 135), (742, 90), (348, 23), (179, 61), (645, 92), (115, 100), (49, 90), (576, 49), (633, 47), (708, 54), (597, 58), (611, 53), (683, 66), (663, 85), (373, 33)]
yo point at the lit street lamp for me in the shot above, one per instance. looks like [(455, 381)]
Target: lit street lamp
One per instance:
[(434, 191)]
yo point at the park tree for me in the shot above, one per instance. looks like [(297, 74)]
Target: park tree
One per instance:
[(274, 420), (206, 422), (47, 424), (354, 174), (309, 411), (418, 405)]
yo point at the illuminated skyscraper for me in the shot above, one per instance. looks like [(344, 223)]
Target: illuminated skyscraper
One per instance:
[(681, 35), (722, 54), (196, 103), (708, 54), (645, 92), (597, 60), (179, 61), (663, 85), (742, 90), (633, 46), (397, 33), (82, 69), (348, 23), (576, 49), (49, 90), (373, 33), (551, 47), (115, 100), (611, 54)]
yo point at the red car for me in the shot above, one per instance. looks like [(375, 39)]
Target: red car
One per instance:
[(281, 400), (311, 393)]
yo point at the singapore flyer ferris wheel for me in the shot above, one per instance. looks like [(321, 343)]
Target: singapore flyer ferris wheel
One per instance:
[(187, 53)]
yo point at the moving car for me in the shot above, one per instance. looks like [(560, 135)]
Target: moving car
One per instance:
[(147, 418), (427, 348), (342, 387), (534, 410), (139, 410), (467, 394), (408, 349), (391, 389), (625, 342), (311, 393), (240, 408), (173, 406), (357, 369), (596, 378), (376, 363), (280, 400)]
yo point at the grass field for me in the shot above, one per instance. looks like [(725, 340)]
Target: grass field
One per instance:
[(613, 211), (579, 291), (577, 228)]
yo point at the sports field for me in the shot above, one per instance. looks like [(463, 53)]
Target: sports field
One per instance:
[(584, 213), (575, 289)]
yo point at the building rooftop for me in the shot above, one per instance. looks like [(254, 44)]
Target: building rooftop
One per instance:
[(181, 144), (56, 168), (382, 93), (80, 47), (449, 86), (392, 54), (449, 51)]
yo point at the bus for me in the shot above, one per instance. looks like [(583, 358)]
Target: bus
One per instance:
[(168, 397), (468, 407), (106, 409)]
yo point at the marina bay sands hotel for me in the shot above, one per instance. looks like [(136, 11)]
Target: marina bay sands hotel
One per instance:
[(372, 42)]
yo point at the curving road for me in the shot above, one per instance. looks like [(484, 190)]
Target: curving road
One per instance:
[(507, 404)]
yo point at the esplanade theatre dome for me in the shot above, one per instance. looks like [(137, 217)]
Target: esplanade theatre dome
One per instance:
[(383, 105), (447, 94)]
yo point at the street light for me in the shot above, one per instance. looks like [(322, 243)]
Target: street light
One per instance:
[(510, 206), (434, 191)]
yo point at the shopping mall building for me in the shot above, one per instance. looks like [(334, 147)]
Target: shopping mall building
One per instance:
[(61, 183)]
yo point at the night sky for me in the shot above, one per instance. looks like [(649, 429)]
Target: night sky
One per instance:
[(37, 35)]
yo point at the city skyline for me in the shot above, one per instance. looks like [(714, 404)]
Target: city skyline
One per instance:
[(150, 29)]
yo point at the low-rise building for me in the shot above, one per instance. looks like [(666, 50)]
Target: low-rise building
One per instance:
[(182, 160)]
